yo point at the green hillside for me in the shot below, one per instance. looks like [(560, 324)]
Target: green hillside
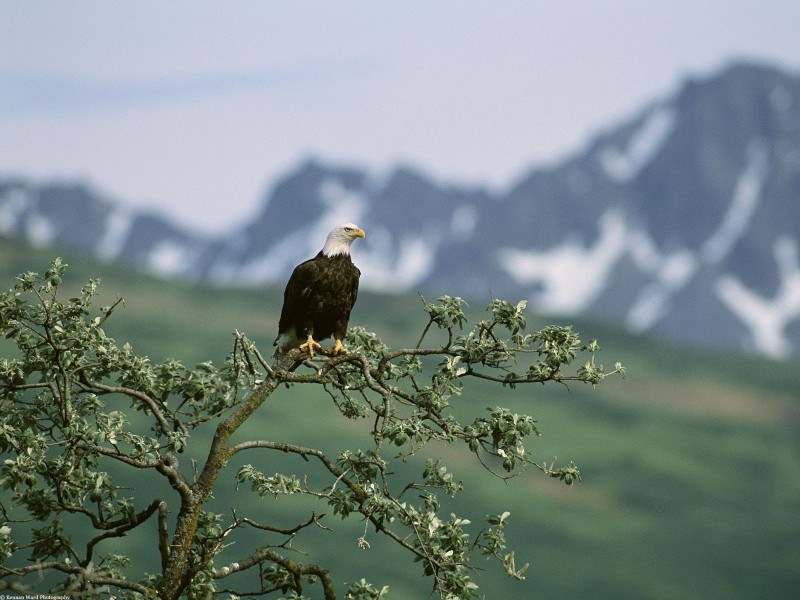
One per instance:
[(690, 465)]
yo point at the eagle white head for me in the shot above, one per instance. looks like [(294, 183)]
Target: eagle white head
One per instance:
[(340, 238)]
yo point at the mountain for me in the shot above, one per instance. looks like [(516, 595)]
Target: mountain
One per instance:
[(684, 220)]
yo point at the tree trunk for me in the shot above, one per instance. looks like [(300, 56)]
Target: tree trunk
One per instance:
[(176, 576)]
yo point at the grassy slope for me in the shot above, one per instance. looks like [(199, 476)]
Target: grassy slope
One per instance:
[(691, 465)]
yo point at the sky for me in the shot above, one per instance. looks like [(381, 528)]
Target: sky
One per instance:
[(196, 108)]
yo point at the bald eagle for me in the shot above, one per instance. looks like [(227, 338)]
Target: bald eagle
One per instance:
[(320, 295)]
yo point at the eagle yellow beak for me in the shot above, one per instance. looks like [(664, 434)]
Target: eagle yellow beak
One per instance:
[(360, 233)]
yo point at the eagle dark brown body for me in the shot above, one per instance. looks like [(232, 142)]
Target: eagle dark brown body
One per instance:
[(320, 295)]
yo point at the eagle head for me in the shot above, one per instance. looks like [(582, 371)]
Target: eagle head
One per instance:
[(340, 238)]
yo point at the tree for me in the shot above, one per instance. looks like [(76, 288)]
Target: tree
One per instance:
[(71, 450)]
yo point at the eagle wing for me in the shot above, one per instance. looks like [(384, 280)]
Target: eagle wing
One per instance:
[(295, 299)]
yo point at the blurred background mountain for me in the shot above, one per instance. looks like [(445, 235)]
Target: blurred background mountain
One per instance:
[(683, 220)]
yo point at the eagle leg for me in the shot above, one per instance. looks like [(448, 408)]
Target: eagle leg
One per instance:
[(310, 345), (338, 347)]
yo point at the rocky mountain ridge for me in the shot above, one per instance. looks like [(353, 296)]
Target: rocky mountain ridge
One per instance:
[(684, 220)]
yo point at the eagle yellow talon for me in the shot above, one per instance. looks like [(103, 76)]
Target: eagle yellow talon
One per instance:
[(310, 345), (338, 348)]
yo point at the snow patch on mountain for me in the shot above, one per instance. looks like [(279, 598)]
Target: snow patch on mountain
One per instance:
[(117, 227), (341, 206), (623, 165), (571, 275), (670, 273), (12, 204), (39, 230), (169, 258), (281, 258), (463, 222), (767, 318), (746, 196), (396, 265)]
